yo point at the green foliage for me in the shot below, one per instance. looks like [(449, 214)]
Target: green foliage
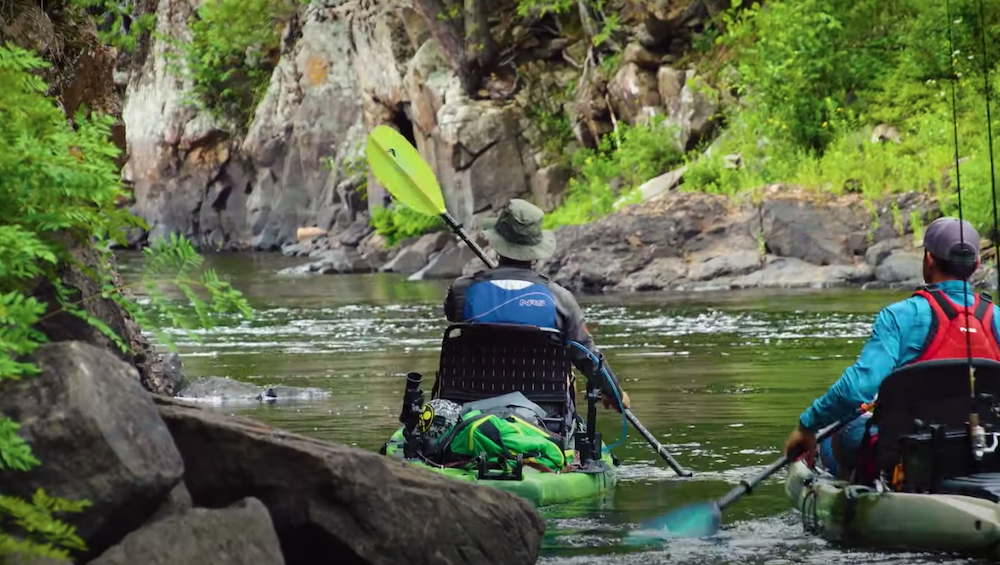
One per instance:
[(554, 131), (229, 56), (816, 76), (400, 222), (59, 193), (116, 25), (625, 158)]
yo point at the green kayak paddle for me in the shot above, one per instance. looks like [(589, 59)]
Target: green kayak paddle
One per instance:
[(404, 173), (703, 519)]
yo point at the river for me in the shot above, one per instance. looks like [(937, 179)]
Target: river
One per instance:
[(720, 378)]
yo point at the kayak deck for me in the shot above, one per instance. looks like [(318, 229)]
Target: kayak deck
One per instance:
[(538, 487), (855, 515)]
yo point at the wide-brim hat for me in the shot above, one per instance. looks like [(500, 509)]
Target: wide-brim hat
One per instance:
[(517, 232)]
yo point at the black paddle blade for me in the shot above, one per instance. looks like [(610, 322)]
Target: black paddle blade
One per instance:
[(699, 520)]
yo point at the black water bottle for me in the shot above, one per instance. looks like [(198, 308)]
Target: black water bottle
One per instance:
[(411, 397)]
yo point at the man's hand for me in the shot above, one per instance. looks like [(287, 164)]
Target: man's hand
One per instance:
[(800, 437), (612, 402)]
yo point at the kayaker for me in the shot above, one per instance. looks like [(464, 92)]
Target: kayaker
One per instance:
[(514, 293), (912, 330)]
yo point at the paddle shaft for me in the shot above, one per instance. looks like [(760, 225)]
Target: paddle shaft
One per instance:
[(748, 486), (662, 451), (460, 231)]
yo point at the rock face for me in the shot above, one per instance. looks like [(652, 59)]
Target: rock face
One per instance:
[(100, 438), (689, 241), (329, 500), (346, 67), (196, 176), (240, 534)]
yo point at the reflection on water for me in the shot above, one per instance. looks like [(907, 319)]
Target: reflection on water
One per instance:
[(720, 378)]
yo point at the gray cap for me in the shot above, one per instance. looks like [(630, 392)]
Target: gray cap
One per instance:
[(517, 233), (952, 240)]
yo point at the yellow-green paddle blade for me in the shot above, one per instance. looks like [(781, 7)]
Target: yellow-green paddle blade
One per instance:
[(399, 167)]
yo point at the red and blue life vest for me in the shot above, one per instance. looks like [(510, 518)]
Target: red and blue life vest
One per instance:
[(952, 333)]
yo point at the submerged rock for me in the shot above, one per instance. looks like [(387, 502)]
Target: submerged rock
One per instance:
[(223, 389), (351, 505), (100, 437), (240, 534)]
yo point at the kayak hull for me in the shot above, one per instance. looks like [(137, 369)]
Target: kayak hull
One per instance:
[(906, 521), (537, 487)]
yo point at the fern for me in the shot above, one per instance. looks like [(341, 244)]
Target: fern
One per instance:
[(59, 189)]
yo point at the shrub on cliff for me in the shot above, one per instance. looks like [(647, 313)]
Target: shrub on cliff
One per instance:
[(623, 160), (232, 51), (59, 188)]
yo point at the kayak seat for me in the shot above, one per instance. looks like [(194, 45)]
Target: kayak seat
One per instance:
[(922, 414), (983, 485), (480, 361)]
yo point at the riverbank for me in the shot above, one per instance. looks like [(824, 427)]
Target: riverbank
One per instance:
[(779, 237)]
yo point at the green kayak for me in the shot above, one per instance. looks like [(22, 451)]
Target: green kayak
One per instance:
[(854, 515), (538, 487)]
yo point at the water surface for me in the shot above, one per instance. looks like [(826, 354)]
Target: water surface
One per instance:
[(720, 378)]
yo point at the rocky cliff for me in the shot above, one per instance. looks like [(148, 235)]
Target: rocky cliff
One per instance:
[(346, 67)]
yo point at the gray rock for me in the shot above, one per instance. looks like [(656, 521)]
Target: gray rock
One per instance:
[(901, 267), (178, 501), (879, 251), (224, 389), (241, 534), (282, 392), (633, 92), (447, 263), (333, 500), (100, 438), (339, 260), (547, 186), (413, 257), (812, 232), (730, 264), (657, 275), (789, 272)]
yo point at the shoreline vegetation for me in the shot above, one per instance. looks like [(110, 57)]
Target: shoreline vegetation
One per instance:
[(811, 95)]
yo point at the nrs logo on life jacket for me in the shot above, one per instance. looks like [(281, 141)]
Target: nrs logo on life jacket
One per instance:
[(510, 301), (953, 334)]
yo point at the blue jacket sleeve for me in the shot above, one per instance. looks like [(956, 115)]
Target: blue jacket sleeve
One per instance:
[(860, 382)]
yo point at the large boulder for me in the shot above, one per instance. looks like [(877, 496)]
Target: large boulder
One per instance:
[(351, 505), (99, 437), (603, 254), (241, 534)]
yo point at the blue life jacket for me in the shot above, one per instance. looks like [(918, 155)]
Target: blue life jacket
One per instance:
[(510, 296)]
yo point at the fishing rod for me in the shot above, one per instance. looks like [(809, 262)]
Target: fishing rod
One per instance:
[(977, 432), (995, 236)]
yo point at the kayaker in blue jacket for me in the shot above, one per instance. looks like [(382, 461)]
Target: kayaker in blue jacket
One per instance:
[(513, 293), (900, 336)]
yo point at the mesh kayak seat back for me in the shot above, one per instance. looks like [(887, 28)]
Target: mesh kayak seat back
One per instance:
[(480, 361), (936, 393)]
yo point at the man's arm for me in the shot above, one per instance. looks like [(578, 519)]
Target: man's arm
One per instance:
[(454, 301), (574, 328), (860, 382)]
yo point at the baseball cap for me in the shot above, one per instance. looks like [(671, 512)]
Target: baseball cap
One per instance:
[(952, 240)]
